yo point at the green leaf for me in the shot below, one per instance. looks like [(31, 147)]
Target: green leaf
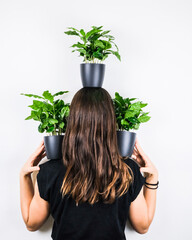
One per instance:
[(60, 93), (35, 115), (72, 33), (105, 32), (47, 95), (36, 105), (43, 117), (98, 55), (32, 95), (116, 54), (74, 29), (93, 31), (96, 27), (61, 125), (133, 120), (50, 129), (65, 111), (115, 45), (109, 37), (82, 32), (144, 118), (52, 121), (130, 114), (143, 104), (79, 45), (119, 99), (135, 106), (29, 117), (80, 50), (44, 125), (47, 108), (94, 37), (99, 43), (132, 99), (40, 128), (136, 126), (107, 44), (124, 122), (104, 56)]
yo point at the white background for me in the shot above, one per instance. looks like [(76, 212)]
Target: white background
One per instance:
[(155, 42)]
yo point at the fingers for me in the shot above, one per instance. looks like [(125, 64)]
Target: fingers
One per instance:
[(43, 155), (40, 149), (32, 169), (36, 168), (138, 147)]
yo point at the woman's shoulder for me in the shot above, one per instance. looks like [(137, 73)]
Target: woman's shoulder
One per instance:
[(131, 162), (52, 165)]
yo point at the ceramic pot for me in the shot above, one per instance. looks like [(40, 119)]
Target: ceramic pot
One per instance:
[(126, 142), (92, 74), (53, 146)]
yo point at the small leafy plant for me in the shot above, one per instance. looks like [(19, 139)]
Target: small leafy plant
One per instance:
[(129, 115), (95, 46), (52, 114)]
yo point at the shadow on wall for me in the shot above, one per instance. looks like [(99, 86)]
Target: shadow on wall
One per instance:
[(47, 226), (129, 226)]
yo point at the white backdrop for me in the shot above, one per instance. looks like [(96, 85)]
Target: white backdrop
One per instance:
[(154, 38)]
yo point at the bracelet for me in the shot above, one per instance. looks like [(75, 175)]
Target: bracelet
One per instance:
[(150, 187), (152, 184)]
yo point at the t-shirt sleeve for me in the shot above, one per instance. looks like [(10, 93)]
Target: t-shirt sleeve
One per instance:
[(42, 181), (138, 180)]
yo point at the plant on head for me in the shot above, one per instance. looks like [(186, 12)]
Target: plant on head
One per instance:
[(96, 44)]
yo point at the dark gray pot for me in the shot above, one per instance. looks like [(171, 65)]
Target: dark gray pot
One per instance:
[(92, 74), (53, 146), (126, 142)]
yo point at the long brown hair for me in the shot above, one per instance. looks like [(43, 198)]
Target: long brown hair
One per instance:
[(94, 168)]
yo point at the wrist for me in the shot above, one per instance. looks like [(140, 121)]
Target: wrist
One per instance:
[(152, 179), (23, 174)]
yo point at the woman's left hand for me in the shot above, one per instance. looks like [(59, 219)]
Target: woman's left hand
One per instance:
[(31, 164)]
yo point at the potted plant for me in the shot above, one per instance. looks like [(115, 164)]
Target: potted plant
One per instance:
[(52, 115), (129, 116), (94, 46)]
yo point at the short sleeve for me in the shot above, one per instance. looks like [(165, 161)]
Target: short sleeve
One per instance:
[(138, 180), (42, 181)]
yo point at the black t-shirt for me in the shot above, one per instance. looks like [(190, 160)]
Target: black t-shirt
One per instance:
[(99, 221)]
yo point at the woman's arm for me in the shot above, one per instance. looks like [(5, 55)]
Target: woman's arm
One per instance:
[(34, 209), (142, 209), (150, 198)]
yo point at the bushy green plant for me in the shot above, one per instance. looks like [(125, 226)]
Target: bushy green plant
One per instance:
[(129, 114), (52, 114), (95, 46)]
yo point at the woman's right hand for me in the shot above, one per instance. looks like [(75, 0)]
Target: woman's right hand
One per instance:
[(31, 164), (146, 166)]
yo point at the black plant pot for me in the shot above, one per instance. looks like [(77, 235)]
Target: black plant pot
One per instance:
[(92, 74), (53, 146), (126, 142)]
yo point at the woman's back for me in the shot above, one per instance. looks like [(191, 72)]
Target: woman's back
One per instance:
[(92, 190), (85, 221)]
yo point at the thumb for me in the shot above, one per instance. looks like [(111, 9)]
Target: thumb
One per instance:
[(36, 168)]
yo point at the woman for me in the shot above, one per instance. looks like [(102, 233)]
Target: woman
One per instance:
[(92, 190)]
